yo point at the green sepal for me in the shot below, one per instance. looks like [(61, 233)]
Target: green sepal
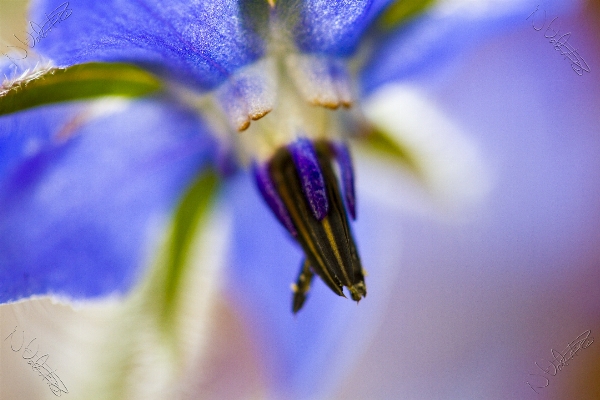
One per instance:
[(379, 142), (402, 11), (162, 294), (83, 81)]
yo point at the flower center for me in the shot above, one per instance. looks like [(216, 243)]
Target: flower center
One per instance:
[(292, 149)]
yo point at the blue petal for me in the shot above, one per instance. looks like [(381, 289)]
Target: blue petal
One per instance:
[(334, 27), (308, 354), (197, 42), (80, 216), (444, 33)]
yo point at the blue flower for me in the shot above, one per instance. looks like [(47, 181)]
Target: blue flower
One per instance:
[(88, 189)]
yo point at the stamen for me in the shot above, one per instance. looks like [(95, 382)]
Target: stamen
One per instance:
[(325, 236), (313, 184), (345, 163), (269, 193), (302, 286)]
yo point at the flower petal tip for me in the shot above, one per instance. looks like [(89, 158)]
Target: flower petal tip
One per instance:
[(249, 94), (322, 81)]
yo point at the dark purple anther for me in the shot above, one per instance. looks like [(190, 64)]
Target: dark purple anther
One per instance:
[(269, 193), (345, 162), (311, 177)]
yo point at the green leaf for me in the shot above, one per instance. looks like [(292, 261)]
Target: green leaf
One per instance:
[(84, 81), (164, 288), (403, 10)]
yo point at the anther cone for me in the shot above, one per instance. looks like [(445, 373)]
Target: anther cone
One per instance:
[(325, 235)]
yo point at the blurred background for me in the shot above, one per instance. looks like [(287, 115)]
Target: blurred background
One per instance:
[(477, 303)]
